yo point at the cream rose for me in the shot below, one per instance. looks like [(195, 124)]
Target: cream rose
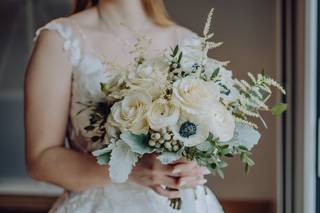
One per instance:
[(150, 76), (130, 114), (195, 96), (191, 49), (162, 114), (221, 122)]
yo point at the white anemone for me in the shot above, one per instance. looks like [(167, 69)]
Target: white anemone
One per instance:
[(190, 130)]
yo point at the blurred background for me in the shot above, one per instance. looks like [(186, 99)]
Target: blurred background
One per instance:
[(279, 36)]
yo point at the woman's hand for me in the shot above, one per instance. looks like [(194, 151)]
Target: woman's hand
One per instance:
[(150, 172)]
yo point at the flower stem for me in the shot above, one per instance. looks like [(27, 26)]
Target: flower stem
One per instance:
[(175, 203)]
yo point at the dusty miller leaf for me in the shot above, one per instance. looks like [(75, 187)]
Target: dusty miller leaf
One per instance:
[(168, 157), (245, 136), (121, 162)]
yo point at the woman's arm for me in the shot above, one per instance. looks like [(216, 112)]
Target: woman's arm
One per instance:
[(46, 109)]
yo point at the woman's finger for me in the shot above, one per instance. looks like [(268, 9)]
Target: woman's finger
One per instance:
[(190, 169), (170, 182), (163, 192), (164, 169), (191, 181)]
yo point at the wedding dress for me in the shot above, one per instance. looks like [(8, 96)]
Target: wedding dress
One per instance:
[(88, 71)]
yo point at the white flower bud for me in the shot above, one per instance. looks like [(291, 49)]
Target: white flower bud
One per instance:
[(163, 131), (155, 136), (161, 141), (167, 145), (152, 143), (175, 148), (167, 137)]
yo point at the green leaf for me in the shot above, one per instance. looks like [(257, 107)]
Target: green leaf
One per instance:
[(243, 148), (175, 51), (250, 162), (137, 143), (243, 157), (215, 73), (104, 158), (223, 164), (247, 168), (104, 87), (225, 146), (278, 109), (180, 57), (220, 173)]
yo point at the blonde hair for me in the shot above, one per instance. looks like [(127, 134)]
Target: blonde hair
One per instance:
[(155, 9)]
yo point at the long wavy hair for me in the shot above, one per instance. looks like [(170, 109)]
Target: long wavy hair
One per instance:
[(154, 9)]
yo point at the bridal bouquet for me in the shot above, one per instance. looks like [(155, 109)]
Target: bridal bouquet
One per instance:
[(181, 104)]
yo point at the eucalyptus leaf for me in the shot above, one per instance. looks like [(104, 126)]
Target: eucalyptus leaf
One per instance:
[(168, 157)]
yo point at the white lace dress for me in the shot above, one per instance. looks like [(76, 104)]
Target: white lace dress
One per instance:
[(88, 71)]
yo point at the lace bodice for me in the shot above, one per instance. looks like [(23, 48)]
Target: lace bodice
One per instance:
[(88, 70)]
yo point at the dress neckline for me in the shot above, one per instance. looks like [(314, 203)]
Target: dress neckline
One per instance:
[(103, 60)]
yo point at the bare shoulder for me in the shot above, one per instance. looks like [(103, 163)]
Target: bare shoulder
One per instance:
[(87, 18)]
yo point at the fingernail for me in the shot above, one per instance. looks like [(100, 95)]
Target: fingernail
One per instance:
[(176, 171), (203, 181), (183, 183)]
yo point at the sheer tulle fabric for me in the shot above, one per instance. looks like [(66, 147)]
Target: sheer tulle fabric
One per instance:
[(88, 72)]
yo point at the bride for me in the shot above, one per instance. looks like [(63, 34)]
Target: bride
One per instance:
[(71, 56)]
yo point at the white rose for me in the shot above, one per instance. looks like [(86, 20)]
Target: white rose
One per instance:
[(221, 122), (195, 96), (192, 53), (151, 76), (162, 114), (224, 79), (90, 76), (130, 113)]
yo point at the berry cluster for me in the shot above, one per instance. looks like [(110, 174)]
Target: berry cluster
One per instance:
[(164, 139)]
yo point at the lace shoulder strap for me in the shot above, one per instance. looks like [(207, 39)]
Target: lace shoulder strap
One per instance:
[(71, 40), (183, 33)]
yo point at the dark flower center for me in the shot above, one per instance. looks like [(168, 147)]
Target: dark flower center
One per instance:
[(187, 129)]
